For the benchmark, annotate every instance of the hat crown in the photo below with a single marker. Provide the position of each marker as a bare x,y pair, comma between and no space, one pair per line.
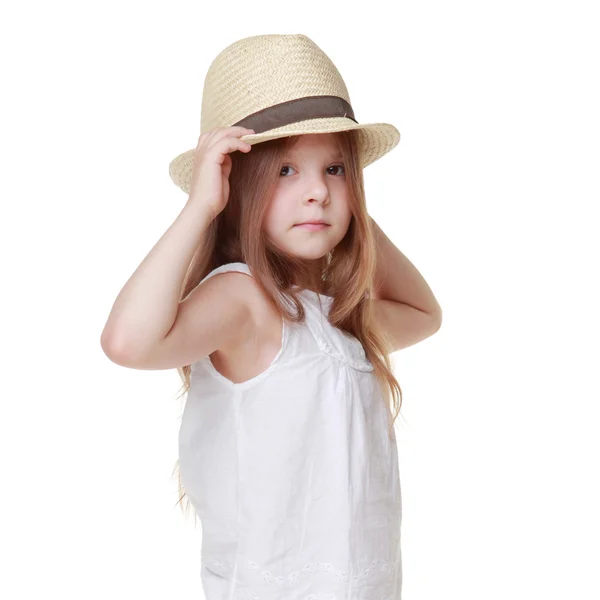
257,72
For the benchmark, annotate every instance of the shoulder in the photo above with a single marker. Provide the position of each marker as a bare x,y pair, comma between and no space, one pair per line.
258,339
247,292
230,289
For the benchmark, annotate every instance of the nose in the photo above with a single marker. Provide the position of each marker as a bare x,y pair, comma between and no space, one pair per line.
316,191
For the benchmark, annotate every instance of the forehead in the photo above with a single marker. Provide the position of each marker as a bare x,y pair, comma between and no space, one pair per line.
324,142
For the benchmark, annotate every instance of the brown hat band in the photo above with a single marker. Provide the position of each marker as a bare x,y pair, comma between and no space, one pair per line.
300,109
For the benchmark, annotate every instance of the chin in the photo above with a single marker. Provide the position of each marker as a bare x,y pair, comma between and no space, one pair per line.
316,255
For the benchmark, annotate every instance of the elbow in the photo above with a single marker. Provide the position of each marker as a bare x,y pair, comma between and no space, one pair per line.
437,318
115,349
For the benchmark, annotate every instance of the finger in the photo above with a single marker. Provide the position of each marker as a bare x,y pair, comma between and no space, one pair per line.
230,144
221,132
235,131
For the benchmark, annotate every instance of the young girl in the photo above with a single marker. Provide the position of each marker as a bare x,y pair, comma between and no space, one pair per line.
281,329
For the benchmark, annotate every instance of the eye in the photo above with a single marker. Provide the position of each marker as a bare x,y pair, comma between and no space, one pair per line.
285,167
332,167
338,166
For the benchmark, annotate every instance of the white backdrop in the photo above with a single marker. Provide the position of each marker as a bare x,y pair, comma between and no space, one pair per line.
491,194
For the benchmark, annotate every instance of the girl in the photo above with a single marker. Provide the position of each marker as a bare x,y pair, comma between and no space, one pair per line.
279,300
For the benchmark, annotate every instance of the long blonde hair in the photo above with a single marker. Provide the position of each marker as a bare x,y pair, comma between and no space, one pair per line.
237,235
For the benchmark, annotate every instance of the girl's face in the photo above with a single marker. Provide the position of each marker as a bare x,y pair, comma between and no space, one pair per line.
311,186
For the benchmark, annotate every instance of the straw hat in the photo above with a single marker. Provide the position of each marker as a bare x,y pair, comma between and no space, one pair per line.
280,85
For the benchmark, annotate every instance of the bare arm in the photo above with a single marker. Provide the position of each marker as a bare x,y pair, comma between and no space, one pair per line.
146,307
398,279
403,303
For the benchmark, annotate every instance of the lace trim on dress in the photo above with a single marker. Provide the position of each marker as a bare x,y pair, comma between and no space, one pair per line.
361,578
323,567
244,594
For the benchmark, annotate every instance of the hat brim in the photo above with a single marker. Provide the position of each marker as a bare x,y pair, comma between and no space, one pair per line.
376,140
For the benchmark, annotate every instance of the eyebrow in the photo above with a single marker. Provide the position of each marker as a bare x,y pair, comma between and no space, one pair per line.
336,156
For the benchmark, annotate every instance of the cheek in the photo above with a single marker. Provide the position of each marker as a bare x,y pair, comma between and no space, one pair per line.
346,224
271,213
274,222
278,215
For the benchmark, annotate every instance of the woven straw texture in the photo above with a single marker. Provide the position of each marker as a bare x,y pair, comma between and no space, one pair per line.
261,71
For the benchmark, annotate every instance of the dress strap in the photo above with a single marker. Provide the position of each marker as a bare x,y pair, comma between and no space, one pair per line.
234,266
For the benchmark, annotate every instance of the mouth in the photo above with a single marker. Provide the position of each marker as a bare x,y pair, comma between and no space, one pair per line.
312,223
312,226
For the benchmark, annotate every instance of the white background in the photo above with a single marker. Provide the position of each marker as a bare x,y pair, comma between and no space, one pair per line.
491,193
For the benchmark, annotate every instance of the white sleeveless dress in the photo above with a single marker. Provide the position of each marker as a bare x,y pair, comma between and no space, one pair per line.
292,473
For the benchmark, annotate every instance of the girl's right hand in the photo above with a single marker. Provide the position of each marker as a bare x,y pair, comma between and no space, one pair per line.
209,186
